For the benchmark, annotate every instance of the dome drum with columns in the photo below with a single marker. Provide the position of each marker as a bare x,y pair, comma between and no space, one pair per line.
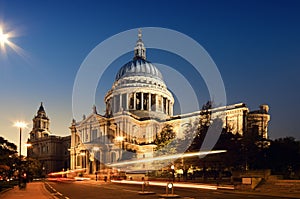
139,88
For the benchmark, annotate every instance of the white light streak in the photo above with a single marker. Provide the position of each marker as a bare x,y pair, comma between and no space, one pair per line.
167,157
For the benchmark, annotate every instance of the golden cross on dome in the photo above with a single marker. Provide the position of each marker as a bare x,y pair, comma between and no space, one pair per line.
140,33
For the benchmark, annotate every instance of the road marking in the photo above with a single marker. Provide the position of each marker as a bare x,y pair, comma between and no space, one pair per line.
129,190
110,188
56,192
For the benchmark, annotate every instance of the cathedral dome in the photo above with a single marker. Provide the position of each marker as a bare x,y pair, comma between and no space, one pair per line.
139,67
139,88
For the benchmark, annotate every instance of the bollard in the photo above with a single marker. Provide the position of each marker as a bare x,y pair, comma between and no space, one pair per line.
145,189
169,186
167,194
144,186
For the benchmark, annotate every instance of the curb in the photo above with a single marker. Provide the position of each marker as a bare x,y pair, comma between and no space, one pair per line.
260,194
48,191
52,193
5,190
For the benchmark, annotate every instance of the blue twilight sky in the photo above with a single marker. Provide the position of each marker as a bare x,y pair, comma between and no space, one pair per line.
255,45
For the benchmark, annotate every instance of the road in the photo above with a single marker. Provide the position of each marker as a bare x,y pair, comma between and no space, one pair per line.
92,190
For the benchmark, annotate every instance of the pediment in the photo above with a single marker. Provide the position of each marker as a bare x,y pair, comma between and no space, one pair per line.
93,118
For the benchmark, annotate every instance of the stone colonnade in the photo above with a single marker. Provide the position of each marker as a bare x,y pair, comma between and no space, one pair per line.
140,101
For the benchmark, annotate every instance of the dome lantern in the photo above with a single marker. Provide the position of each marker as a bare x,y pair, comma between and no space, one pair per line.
139,50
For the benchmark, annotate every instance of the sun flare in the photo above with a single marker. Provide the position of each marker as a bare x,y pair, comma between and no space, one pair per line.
5,41
3,38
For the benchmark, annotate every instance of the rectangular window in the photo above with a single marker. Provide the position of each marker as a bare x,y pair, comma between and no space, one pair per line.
146,101
94,134
153,102
131,101
165,105
124,101
138,101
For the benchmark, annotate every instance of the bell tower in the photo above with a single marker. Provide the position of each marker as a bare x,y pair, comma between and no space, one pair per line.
40,126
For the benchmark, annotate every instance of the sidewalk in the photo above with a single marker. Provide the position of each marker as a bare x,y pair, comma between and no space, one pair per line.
222,189
33,190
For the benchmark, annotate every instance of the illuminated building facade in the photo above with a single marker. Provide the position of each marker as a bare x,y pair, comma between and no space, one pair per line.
138,106
50,150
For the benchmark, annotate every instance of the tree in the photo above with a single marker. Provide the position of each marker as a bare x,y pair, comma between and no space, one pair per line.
165,141
33,168
8,157
197,132
283,156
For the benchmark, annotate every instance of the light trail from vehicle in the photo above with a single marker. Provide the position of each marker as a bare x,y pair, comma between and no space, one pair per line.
166,157
181,185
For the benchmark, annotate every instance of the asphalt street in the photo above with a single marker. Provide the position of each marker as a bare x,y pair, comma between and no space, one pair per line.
88,190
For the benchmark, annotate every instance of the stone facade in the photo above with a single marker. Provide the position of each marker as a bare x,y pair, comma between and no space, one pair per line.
50,150
138,106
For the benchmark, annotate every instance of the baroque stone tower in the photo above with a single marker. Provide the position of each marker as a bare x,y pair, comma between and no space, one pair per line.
50,150
40,124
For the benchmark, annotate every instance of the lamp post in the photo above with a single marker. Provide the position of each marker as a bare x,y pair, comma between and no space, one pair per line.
20,125
173,172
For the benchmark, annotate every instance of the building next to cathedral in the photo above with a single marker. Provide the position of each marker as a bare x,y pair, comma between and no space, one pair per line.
138,106
50,150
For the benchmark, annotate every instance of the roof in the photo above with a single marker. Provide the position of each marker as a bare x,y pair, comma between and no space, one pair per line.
139,67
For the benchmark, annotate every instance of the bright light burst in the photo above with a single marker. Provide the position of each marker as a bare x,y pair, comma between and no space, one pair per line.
20,124
5,41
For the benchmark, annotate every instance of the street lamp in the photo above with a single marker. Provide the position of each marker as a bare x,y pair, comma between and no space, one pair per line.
28,144
173,172
20,125
120,139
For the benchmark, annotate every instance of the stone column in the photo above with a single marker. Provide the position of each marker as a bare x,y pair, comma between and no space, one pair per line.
167,106
134,101
87,164
100,160
237,124
156,102
105,133
113,104
162,104
120,104
149,101
128,131
94,164
142,101
127,102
